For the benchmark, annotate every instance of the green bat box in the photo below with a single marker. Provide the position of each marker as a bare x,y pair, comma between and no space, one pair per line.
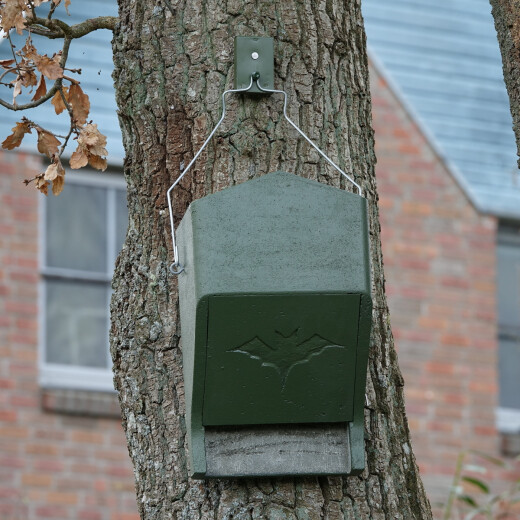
275,318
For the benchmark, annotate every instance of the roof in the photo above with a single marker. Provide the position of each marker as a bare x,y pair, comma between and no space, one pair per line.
444,61
93,54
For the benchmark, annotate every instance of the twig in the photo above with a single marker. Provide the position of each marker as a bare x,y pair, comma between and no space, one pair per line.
33,104
51,10
72,125
12,51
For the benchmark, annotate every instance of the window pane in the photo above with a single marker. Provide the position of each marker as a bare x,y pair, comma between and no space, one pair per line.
509,363
77,323
76,229
508,274
121,220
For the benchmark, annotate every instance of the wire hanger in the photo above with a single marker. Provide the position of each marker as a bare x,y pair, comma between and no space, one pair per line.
176,268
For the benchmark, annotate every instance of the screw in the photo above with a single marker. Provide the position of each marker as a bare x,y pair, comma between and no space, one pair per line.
254,55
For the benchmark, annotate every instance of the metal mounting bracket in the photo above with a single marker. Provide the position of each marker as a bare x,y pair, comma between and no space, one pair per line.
254,57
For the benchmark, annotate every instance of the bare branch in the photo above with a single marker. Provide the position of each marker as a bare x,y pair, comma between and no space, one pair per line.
54,88
72,123
59,29
7,72
51,10
33,104
12,50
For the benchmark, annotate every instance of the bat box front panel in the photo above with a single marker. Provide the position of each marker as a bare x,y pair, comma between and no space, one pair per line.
280,358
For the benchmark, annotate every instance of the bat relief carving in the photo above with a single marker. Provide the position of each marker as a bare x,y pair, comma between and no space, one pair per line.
287,352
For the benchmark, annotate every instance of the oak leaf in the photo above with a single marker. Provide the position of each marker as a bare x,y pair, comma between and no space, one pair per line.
17,88
80,104
57,100
12,15
93,140
41,184
55,173
57,184
6,64
91,146
28,77
41,89
49,67
47,142
15,139
97,162
79,158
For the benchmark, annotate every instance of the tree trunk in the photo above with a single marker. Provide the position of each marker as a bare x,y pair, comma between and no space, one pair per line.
507,23
173,60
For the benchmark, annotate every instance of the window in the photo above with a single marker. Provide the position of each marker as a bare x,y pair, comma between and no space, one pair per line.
508,283
82,232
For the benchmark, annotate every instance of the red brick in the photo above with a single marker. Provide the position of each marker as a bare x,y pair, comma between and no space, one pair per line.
51,465
54,512
89,514
8,416
87,437
36,479
56,497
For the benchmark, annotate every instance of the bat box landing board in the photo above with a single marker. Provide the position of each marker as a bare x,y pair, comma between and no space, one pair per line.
275,316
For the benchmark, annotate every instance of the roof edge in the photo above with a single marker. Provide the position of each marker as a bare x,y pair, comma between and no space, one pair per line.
451,168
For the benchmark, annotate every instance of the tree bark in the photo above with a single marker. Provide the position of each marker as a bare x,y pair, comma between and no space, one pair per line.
507,24
173,59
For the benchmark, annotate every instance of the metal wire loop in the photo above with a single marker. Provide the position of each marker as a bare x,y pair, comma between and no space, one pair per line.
176,268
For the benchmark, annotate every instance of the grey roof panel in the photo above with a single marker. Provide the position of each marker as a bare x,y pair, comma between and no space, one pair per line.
444,59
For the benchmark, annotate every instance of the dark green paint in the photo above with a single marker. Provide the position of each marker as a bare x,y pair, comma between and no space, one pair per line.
276,264
280,358
246,66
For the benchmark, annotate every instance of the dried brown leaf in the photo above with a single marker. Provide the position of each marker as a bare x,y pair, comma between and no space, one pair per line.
28,77
12,15
6,64
97,162
41,184
57,184
79,158
54,169
41,89
80,104
17,88
15,139
29,50
47,142
93,140
57,100
49,67
55,173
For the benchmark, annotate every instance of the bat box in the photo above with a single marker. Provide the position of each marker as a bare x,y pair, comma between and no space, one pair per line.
275,311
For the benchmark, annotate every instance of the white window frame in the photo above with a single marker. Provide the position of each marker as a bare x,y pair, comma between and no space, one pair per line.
53,375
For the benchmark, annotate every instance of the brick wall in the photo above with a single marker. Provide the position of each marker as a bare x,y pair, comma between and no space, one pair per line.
53,465
439,258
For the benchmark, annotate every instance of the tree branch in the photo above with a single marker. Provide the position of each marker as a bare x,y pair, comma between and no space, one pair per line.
33,104
59,29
